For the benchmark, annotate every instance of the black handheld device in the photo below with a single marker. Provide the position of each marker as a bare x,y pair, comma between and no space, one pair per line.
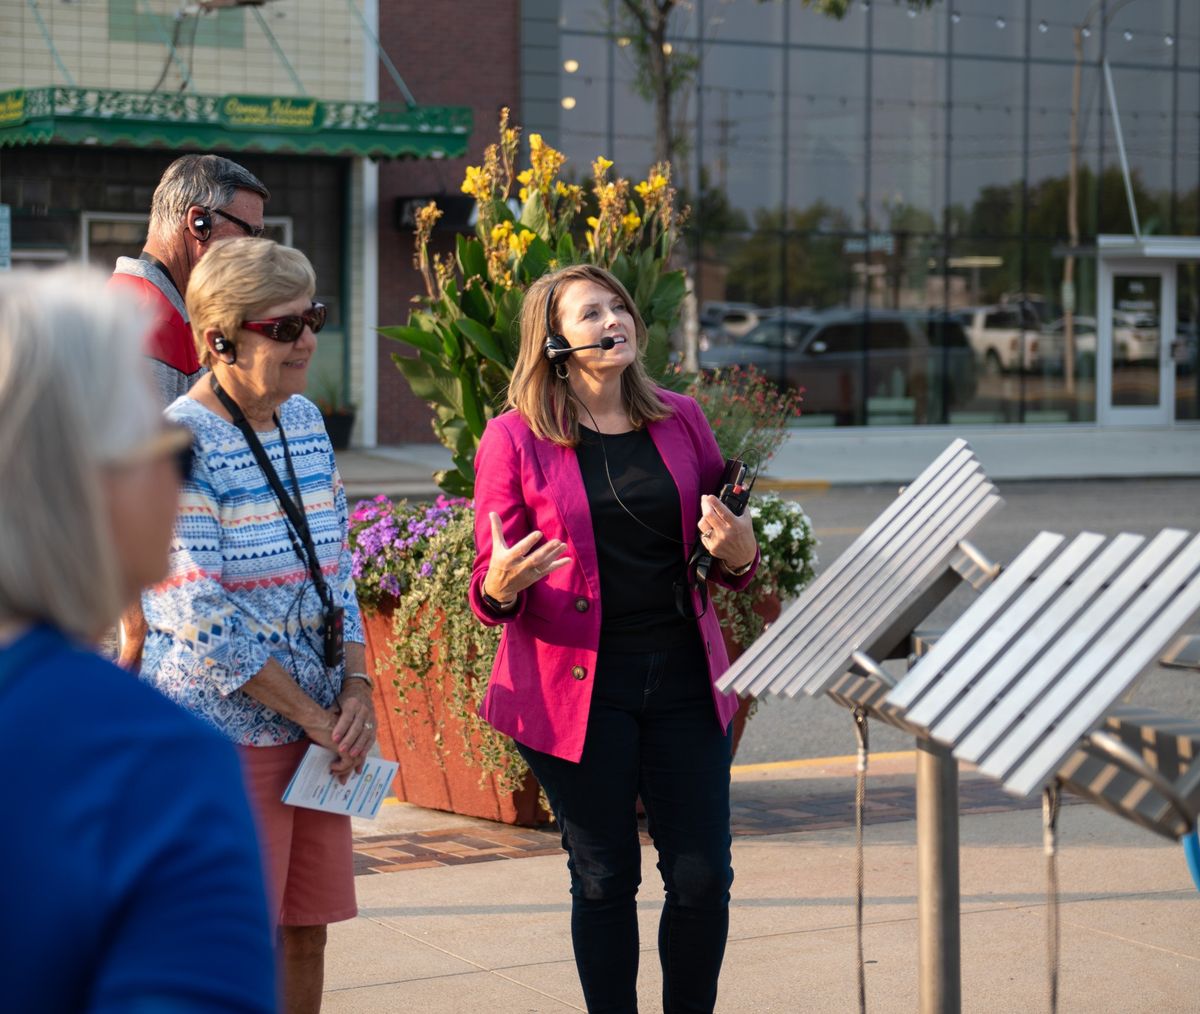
734,493
335,633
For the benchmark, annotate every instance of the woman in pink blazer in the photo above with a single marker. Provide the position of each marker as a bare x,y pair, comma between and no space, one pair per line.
590,495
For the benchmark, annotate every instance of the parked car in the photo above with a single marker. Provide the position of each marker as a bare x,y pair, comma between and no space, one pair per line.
910,359
722,323
999,333
1135,340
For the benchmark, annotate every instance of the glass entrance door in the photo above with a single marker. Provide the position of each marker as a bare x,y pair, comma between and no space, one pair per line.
1135,371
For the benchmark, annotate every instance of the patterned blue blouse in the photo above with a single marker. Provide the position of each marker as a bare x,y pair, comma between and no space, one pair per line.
237,593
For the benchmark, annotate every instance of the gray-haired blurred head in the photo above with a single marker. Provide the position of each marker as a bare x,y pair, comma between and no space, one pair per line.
209,181
74,397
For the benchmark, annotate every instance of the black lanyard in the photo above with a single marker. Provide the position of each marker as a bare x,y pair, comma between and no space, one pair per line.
293,508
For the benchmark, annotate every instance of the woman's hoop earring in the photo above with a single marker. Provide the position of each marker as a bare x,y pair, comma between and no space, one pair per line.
560,371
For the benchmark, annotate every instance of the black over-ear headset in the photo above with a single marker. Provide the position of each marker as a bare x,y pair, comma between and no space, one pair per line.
556,344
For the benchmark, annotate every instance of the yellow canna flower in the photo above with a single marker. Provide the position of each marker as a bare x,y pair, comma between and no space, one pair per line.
601,165
631,221
501,231
519,244
656,183
475,183
523,194
525,177
593,221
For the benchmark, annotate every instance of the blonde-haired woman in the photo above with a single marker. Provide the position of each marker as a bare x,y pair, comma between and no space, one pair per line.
248,629
589,497
133,884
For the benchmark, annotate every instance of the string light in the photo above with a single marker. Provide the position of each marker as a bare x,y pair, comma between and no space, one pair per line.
1169,40
1043,27
1000,22
955,17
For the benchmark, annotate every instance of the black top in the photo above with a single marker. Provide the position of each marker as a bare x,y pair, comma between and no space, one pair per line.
638,567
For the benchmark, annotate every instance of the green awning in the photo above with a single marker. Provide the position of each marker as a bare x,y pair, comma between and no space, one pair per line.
262,123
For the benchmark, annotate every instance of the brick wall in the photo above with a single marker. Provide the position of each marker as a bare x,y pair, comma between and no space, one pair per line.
460,53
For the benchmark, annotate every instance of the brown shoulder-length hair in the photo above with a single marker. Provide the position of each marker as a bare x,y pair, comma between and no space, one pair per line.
536,392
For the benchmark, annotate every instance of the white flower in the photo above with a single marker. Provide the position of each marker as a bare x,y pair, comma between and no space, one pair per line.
756,512
772,530
797,534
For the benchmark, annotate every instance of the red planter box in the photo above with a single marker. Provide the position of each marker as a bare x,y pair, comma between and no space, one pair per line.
434,775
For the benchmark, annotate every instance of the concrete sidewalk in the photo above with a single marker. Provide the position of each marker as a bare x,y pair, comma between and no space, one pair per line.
862,456
489,934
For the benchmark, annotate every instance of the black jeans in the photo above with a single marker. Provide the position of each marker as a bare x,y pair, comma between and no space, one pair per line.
652,731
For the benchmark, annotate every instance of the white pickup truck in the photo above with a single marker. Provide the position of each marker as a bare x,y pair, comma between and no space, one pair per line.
997,338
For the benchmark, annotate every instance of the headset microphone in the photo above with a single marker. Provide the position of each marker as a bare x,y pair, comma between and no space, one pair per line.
554,353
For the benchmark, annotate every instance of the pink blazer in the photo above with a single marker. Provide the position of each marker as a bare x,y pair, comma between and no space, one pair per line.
541,686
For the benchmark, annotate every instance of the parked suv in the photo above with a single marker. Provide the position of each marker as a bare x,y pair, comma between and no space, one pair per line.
918,365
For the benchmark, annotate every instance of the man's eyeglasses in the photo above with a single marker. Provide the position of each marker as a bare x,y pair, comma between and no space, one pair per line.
246,227
291,327
174,440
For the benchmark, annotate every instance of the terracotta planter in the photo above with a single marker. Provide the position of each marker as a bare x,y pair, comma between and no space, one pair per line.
433,774
769,608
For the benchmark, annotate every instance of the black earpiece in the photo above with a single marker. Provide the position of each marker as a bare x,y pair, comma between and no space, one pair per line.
226,349
202,226
556,344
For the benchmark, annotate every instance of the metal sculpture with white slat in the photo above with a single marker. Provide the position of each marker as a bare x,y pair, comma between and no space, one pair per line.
1024,684
1032,668
872,597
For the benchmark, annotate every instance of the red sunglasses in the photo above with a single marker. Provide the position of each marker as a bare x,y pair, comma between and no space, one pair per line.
291,327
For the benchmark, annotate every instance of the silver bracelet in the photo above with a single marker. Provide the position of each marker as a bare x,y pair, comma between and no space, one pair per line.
359,676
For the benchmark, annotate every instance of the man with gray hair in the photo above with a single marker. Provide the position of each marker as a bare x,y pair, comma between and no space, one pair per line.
200,199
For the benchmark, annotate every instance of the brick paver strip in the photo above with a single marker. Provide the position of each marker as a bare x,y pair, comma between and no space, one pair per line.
752,815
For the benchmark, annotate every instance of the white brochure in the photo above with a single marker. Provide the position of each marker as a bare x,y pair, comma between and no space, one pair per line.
314,787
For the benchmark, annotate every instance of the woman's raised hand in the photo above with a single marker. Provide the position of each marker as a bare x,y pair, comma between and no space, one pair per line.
514,568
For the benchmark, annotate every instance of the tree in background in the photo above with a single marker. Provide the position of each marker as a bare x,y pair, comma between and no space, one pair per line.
661,74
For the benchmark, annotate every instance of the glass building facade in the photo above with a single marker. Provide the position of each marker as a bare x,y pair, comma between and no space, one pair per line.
884,209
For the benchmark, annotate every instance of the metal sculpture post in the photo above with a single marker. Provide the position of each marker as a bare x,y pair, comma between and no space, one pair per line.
1024,684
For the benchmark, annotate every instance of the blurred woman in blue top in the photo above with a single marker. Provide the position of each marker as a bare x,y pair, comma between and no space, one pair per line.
131,882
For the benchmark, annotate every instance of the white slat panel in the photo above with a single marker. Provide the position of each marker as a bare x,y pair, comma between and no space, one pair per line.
995,640
928,567
858,607
1131,644
924,680
777,657
1054,640
1116,624
801,620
